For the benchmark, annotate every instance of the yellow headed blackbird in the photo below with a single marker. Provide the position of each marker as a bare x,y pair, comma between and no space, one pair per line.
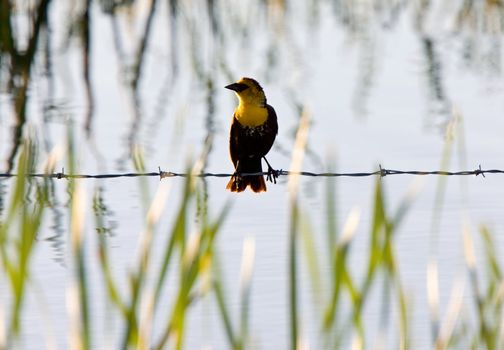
253,131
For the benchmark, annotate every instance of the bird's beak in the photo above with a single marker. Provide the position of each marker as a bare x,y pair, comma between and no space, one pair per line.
238,87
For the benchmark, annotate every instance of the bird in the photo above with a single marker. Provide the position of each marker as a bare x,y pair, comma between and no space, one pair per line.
253,130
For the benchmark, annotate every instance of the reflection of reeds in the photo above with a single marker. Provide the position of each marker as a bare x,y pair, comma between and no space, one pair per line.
20,64
215,25
190,253
85,25
439,101
486,16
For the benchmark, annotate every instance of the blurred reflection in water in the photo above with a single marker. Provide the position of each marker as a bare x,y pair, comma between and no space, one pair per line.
16,65
106,224
3,185
201,33
149,75
440,107
57,235
166,52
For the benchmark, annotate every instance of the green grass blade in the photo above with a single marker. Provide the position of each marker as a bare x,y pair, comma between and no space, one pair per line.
245,287
79,295
25,215
312,260
293,189
111,285
221,304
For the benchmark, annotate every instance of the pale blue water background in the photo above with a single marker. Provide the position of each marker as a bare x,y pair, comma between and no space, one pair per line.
371,102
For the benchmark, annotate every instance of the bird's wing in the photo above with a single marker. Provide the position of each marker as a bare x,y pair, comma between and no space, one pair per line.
233,141
272,119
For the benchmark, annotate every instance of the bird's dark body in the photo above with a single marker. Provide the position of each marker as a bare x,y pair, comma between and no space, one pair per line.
247,146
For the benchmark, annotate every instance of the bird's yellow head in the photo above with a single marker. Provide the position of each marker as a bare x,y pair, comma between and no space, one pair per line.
251,110
249,92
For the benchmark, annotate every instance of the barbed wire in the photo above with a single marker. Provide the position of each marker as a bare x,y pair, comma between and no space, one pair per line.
382,172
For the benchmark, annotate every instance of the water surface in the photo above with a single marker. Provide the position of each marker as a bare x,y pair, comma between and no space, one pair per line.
382,84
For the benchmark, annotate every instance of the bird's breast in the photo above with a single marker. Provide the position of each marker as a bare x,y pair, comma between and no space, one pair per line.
251,116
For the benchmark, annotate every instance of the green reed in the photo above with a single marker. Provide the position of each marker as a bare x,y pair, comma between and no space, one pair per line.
190,255
18,232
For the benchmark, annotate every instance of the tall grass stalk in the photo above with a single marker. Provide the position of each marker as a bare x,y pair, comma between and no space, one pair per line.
18,234
196,258
293,188
190,254
78,294
218,289
381,261
111,287
487,291
245,288
432,270
153,216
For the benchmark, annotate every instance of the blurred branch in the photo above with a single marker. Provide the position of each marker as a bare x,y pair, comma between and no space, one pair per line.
20,72
137,67
86,48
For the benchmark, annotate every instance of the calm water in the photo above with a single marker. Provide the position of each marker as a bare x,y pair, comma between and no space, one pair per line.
383,85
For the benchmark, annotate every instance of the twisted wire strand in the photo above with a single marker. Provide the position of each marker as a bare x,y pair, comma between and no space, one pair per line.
382,172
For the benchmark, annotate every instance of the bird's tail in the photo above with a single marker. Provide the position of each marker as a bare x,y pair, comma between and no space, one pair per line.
239,183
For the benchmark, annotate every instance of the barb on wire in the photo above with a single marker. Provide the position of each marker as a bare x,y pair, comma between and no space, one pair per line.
382,172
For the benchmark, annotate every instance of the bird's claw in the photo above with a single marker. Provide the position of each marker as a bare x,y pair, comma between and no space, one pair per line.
273,175
237,176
